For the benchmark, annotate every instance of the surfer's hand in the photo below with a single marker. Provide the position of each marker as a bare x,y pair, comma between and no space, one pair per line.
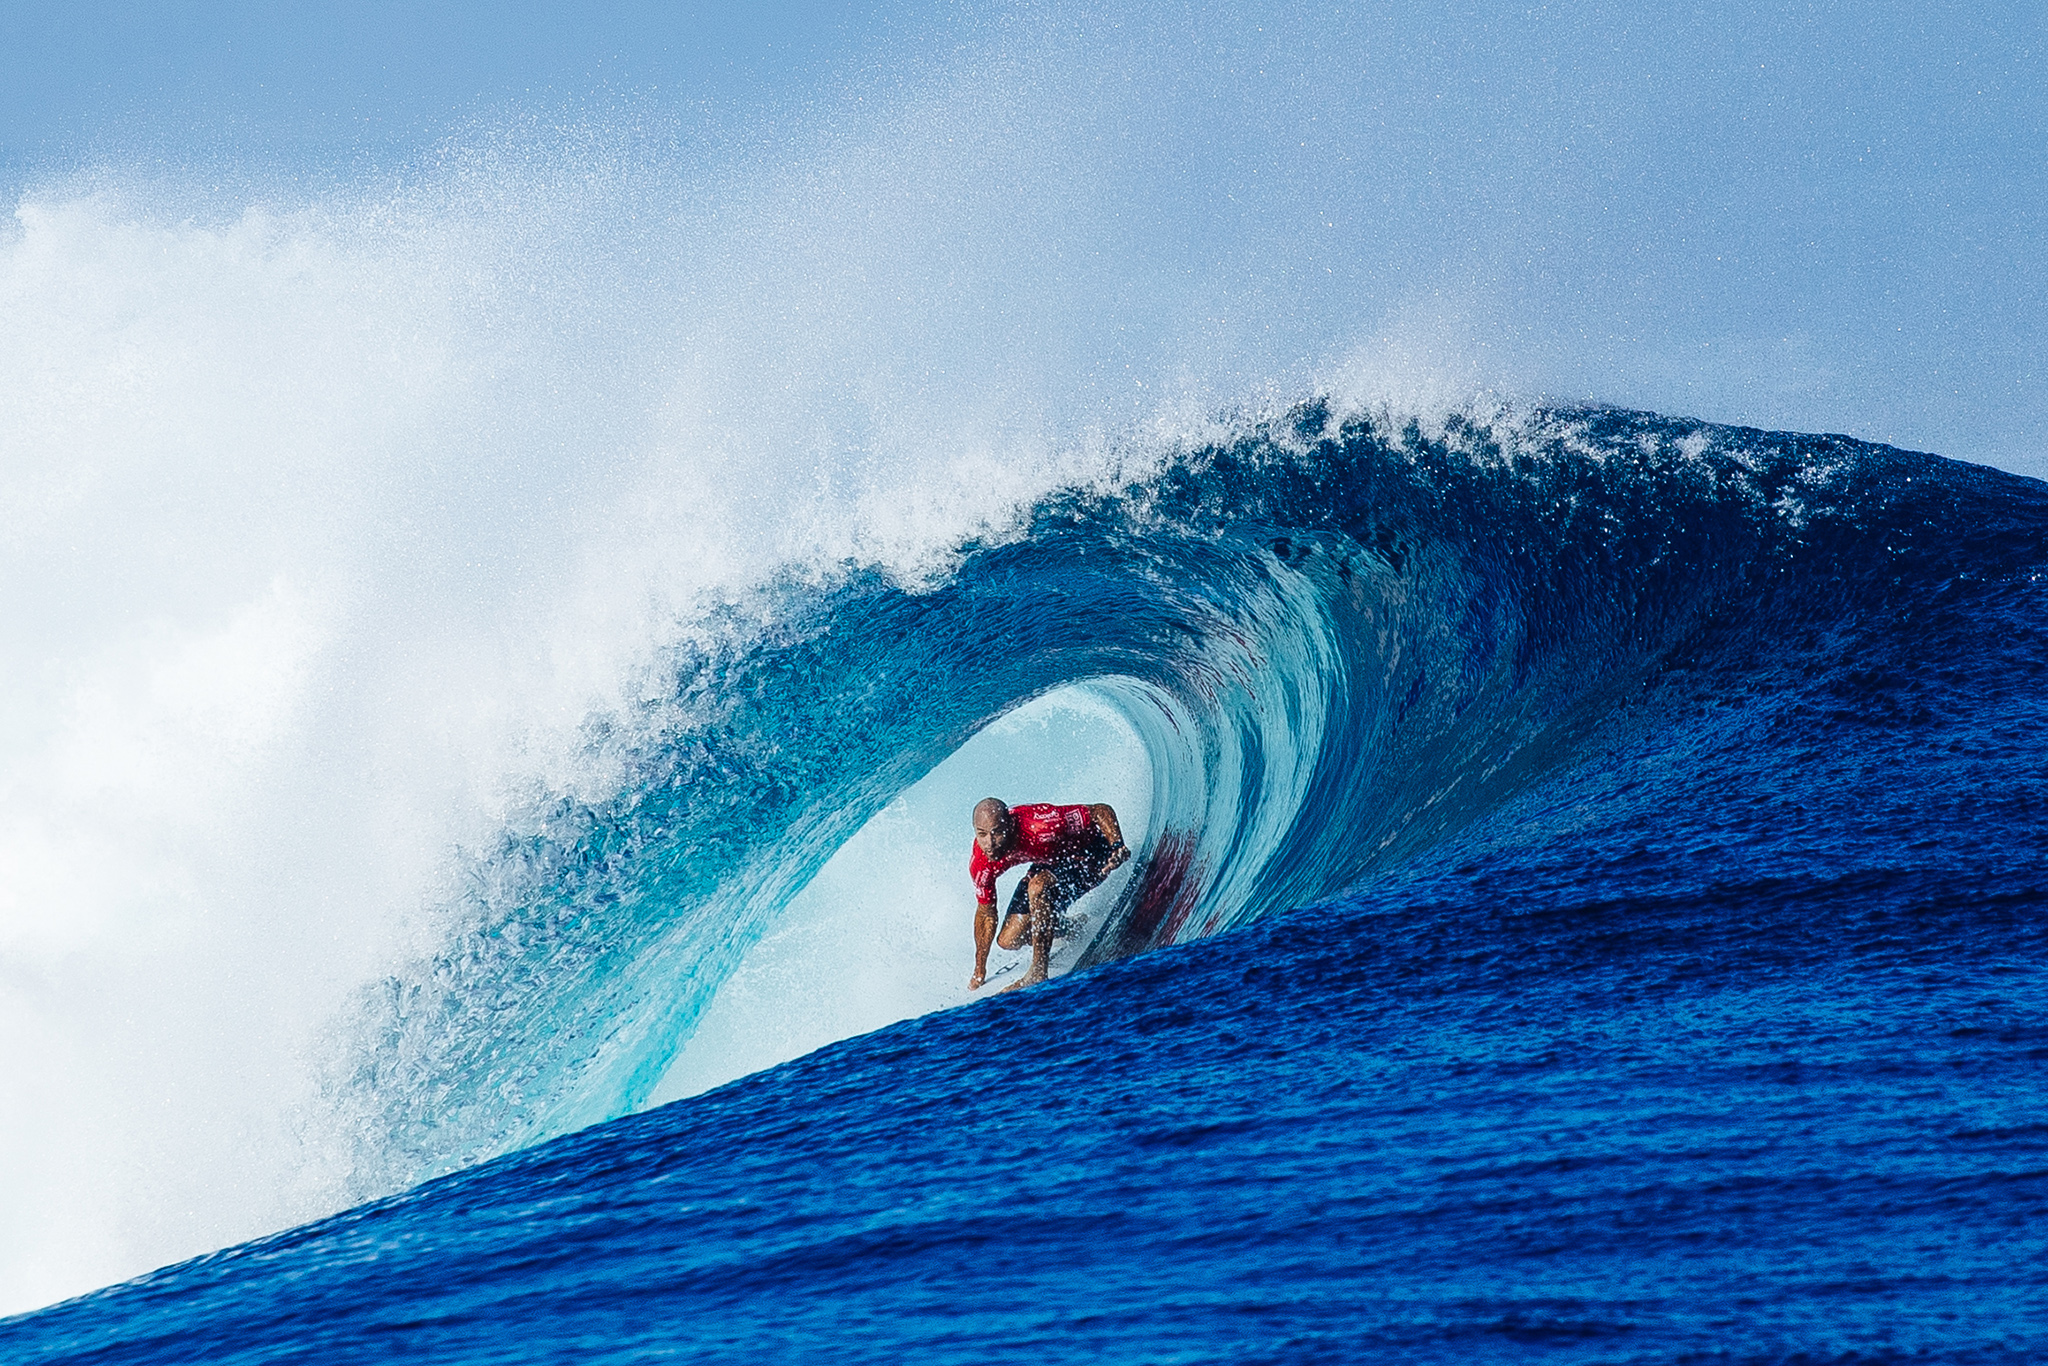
1117,858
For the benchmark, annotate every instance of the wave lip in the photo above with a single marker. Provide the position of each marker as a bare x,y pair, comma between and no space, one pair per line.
1699,1019
1342,636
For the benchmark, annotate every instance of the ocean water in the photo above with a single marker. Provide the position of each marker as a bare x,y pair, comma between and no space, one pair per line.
519,557
1590,908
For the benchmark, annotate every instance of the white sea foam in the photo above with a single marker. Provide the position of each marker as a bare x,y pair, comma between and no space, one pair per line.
330,514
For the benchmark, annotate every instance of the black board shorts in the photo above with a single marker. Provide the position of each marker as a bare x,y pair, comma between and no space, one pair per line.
1071,876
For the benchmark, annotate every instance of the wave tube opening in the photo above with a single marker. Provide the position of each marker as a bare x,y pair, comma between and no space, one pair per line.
882,933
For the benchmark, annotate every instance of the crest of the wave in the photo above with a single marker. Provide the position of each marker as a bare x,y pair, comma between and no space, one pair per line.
603,917
1328,639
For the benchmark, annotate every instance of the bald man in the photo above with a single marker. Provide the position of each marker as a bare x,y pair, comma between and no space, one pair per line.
1071,849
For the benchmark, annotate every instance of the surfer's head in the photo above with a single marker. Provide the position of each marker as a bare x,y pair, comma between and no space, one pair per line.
993,826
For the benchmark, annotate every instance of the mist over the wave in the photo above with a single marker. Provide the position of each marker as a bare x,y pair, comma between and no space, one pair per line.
337,506
333,516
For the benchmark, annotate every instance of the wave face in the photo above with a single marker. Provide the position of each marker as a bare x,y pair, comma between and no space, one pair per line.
1338,642
1599,859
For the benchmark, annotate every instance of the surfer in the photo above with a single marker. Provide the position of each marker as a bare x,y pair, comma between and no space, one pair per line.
1070,849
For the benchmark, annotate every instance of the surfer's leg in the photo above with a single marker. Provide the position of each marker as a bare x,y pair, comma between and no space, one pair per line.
1017,923
1047,902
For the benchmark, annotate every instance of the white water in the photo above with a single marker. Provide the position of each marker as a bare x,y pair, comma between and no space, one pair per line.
328,517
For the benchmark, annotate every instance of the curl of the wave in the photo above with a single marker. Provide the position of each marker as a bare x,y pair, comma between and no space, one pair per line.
1340,632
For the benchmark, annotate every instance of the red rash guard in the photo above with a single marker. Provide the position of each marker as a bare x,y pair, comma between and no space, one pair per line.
1045,833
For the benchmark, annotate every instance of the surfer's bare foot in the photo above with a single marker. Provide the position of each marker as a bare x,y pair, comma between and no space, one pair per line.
1029,979
974,982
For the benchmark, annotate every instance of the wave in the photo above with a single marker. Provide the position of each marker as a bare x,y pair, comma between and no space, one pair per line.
1340,634
1627,831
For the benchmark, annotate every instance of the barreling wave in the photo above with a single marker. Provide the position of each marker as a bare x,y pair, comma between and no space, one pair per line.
1341,636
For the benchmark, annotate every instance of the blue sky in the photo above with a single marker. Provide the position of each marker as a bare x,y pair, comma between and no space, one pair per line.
316,81
1817,215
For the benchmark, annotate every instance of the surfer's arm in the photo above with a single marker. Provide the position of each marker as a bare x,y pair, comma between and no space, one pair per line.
1105,821
984,935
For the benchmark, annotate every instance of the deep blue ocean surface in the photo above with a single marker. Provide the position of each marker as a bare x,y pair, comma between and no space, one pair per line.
1593,911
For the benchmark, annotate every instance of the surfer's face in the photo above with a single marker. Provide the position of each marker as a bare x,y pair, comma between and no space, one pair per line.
992,833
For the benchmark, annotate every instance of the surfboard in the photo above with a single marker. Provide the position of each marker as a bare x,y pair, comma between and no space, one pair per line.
1066,950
